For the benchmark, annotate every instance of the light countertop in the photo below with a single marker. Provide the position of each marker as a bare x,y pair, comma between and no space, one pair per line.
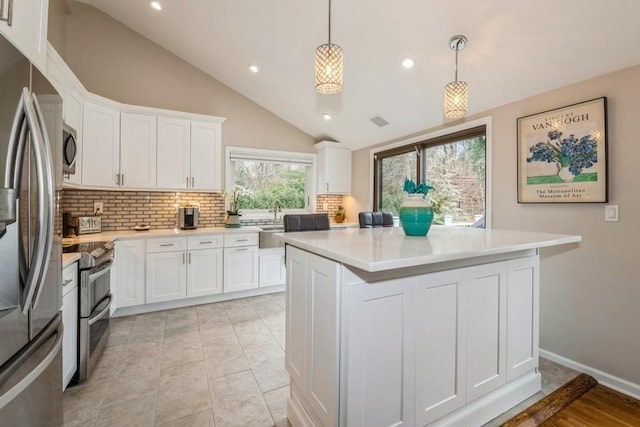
70,258
383,249
168,232
111,236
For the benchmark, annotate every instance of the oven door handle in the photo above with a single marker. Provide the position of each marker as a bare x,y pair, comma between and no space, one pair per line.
104,311
104,269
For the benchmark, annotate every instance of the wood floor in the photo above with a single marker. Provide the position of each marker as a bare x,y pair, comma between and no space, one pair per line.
581,402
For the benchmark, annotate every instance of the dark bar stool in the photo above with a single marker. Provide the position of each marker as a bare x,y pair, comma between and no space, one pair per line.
375,219
305,222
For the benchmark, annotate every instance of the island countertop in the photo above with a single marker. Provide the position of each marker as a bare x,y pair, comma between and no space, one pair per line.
381,249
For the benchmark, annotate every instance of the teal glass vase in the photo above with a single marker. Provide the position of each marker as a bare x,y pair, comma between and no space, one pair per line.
416,215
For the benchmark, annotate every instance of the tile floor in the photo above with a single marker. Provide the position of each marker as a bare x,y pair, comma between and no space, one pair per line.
216,365
219,364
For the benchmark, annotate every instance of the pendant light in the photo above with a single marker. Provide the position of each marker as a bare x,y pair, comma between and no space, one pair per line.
329,63
456,93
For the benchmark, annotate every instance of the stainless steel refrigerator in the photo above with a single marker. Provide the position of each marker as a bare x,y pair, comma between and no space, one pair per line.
30,245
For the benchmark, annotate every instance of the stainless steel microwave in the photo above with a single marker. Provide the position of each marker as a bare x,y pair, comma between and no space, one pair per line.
69,150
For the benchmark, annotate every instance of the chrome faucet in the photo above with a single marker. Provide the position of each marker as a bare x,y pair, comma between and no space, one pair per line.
277,207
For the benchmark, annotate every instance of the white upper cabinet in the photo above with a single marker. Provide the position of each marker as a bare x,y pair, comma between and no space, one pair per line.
334,168
174,151
101,146
133,147
189,154
137,150
206,156
28,29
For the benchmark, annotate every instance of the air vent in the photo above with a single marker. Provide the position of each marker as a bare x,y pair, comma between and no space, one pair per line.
379,121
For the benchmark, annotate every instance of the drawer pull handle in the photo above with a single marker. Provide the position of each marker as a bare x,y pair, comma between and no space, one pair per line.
164,245
9,18
206,243
241,249
242,240
66,282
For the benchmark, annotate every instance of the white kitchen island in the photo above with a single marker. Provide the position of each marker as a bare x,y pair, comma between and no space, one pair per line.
388,330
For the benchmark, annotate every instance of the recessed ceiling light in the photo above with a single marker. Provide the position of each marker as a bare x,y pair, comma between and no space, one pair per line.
408,63
326,116
156,4
253,68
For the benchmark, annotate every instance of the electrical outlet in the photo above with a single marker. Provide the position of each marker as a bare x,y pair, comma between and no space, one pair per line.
98,208
325,206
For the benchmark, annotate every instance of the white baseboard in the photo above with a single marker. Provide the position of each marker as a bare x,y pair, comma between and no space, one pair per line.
607,380
187,302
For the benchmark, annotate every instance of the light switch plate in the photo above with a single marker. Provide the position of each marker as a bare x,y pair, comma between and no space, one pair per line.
611,213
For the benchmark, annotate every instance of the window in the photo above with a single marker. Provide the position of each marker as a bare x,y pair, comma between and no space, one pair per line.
454,164
270,178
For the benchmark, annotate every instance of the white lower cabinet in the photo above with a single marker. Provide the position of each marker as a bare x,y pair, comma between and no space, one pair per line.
130,272
184,267
70,323
160,269
413,349
271,267
523,306
312,332
204,272
240,261
380,343
166,276
240,268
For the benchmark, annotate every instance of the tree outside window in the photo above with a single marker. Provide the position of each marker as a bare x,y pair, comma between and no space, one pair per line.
455,165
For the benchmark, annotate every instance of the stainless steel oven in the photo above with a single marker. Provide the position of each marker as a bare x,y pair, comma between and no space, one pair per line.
94,306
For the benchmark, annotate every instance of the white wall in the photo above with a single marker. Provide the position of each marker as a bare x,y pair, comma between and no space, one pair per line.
590,292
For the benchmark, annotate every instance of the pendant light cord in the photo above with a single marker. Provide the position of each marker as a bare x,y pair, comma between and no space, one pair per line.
457,49
329,21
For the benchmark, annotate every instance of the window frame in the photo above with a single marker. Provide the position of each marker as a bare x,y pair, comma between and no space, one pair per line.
260,154
418,143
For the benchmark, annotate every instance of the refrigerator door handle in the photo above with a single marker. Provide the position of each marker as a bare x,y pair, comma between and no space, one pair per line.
47,190
54,329
44,175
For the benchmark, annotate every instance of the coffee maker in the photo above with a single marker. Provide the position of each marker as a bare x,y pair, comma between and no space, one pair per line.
188,216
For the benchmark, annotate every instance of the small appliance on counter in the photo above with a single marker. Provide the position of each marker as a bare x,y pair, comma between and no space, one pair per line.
188,216
86,224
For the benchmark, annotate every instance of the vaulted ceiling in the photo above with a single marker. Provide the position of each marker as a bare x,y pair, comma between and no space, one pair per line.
516,49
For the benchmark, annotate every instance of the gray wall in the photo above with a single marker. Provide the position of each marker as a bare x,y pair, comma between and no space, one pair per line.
590,292
113,61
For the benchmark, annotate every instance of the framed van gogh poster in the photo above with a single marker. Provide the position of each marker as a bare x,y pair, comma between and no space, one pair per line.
562,154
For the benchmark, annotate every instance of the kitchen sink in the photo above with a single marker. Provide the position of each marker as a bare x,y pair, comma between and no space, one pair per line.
267,236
